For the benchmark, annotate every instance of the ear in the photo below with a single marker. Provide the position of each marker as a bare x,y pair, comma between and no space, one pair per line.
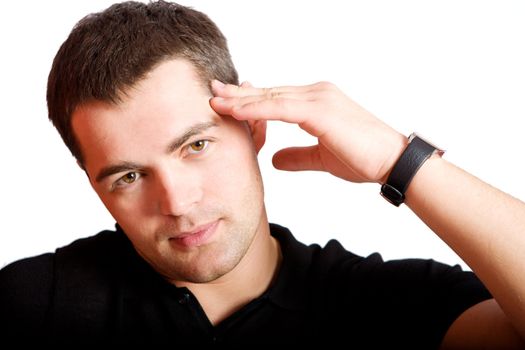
258,131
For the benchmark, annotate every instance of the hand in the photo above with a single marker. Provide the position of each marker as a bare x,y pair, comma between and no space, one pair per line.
352,143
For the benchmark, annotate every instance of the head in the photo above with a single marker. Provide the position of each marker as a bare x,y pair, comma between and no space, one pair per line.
129,93
108,52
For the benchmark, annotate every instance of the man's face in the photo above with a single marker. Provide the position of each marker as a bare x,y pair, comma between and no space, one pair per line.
182,181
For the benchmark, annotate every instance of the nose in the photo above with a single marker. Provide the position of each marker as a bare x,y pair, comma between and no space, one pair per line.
178,192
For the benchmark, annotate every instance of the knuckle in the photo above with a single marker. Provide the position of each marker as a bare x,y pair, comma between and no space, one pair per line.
271,93
328,91
326,85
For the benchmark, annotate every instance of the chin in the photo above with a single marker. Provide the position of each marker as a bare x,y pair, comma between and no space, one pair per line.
210,268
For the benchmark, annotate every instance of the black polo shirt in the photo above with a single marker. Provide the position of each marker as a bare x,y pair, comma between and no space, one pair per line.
98,290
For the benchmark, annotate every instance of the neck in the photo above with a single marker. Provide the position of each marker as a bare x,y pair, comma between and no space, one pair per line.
247,281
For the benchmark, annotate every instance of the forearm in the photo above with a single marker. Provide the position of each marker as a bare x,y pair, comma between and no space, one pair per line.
485,226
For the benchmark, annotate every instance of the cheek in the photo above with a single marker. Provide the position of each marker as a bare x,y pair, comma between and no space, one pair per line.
128,210
237,173
135,220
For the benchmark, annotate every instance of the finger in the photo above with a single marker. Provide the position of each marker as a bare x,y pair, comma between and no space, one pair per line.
227,103
298,158
218,88
286,110
230,90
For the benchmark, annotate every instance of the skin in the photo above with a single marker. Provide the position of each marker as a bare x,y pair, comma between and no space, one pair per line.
161,185
174,192
479,222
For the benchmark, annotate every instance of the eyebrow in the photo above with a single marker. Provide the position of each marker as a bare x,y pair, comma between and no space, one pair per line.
193,130
115,169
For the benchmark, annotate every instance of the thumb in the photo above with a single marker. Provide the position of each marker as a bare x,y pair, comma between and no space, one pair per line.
298,158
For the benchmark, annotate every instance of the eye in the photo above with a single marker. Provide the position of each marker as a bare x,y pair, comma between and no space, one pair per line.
127,179
197,146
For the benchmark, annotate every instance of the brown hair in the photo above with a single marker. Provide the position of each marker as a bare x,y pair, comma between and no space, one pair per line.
108,52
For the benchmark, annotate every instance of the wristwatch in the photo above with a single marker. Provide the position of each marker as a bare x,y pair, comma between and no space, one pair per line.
414,155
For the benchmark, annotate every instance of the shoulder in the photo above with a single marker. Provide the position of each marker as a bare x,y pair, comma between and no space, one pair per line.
421,295
99,247
330,259
25,294
29,284
38,270
25,274
410,279
333,259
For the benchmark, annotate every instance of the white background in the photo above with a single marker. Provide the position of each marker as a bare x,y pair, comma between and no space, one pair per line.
451,70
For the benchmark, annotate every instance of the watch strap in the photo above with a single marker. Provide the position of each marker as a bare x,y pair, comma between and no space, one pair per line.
414,155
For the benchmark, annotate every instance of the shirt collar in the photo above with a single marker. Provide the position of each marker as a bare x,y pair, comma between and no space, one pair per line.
288,290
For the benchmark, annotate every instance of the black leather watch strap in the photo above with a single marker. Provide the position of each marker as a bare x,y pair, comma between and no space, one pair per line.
416,153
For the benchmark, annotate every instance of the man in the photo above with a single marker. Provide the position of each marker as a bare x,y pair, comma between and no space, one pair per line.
147,100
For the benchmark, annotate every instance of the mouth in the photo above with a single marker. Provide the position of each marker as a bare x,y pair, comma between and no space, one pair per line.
196,237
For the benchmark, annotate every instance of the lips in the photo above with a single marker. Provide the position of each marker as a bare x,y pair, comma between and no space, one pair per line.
197,236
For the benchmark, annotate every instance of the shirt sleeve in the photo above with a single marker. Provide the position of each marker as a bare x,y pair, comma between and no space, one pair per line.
409,302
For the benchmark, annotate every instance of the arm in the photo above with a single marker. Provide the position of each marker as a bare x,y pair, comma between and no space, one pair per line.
483,225
486,227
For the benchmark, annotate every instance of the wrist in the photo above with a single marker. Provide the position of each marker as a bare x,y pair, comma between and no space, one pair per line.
430,168
415,154
397,149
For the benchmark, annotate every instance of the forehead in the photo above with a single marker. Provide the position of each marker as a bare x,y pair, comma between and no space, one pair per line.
174,82
169,99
